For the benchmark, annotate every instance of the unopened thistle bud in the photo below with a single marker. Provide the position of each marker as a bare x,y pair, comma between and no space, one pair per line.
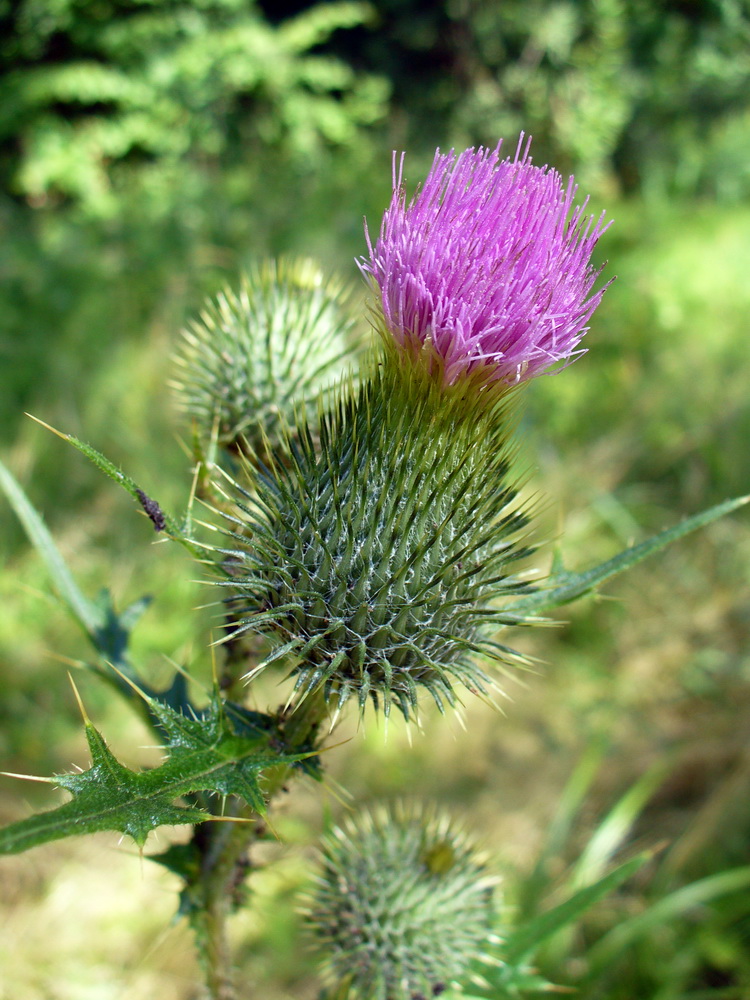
257,353
376,558
486,271
402,908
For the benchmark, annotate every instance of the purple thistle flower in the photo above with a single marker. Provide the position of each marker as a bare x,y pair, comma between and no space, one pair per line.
487,270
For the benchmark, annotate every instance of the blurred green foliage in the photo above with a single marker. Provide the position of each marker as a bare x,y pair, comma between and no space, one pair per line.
149,150
144,146
654,97
98,94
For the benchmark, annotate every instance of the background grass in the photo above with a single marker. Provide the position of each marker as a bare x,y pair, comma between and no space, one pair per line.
650,426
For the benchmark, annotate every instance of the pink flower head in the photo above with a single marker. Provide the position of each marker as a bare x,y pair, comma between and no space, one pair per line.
487,268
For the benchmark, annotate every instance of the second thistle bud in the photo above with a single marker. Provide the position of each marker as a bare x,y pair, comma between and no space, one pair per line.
403,906
259,352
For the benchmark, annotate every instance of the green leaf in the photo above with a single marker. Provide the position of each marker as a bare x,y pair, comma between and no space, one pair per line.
558,832
204,754
616,825
514,981
107,631
89,615
522,942
665,910
109,796
606,839
565,587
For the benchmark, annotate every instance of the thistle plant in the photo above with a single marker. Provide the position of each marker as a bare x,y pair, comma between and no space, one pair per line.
379,562
368,534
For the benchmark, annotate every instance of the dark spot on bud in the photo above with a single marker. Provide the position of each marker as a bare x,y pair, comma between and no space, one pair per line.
153,510
439,858
437,989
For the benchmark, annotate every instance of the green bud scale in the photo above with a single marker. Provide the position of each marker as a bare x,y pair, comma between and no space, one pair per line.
402,908
257,353
374,557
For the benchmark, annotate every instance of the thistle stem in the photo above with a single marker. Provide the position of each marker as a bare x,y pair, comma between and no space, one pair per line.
223,849
223,867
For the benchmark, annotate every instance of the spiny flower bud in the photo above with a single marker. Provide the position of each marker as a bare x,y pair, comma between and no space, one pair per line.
486,271
374,558
258,352
403,906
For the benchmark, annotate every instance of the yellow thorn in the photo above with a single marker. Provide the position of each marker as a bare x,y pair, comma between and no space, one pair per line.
248,677
268,823
227,819
49,427
214,669
217,642
35,592
184,672
28,777
334,719
342,795
213,441
86,719
128,681
194,486
78,664
178,437
321,750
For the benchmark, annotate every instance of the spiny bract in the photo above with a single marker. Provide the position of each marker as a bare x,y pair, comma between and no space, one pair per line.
402,907
257,353
374,557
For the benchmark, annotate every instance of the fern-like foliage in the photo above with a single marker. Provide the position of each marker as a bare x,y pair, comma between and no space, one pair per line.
155,88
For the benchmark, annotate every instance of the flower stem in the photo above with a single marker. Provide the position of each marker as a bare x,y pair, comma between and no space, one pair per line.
223,851
223,868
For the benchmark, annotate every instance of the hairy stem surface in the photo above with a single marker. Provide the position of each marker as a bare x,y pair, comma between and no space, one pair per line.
224,863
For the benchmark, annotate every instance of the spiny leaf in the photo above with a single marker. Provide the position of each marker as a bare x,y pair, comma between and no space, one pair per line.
107,630
203,755
109,796
565,587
